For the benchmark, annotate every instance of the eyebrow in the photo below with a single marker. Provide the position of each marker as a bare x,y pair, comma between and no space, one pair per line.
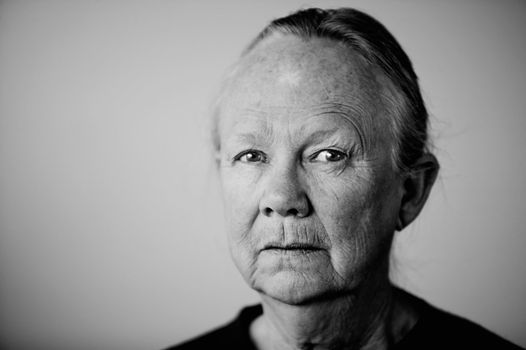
356,116
352,115
248,137
252,137
321,135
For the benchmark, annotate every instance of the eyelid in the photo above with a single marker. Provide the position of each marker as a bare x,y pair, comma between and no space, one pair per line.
238,156
346,155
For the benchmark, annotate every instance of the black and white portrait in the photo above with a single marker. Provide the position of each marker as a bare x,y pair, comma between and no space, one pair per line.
262,175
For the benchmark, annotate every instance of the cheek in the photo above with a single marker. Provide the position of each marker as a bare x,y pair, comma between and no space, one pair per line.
241,206
240,211
344,212
340,202
358,215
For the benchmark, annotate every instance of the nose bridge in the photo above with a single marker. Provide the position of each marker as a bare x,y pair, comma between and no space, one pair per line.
284,193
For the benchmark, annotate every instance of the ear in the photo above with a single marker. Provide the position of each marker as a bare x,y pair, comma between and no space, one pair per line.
416,188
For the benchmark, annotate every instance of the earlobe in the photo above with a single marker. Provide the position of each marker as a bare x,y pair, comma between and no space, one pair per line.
417,186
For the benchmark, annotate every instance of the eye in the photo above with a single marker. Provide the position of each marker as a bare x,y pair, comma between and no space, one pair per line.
251,156
329,155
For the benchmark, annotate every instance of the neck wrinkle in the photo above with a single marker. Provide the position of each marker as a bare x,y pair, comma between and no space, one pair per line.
358,321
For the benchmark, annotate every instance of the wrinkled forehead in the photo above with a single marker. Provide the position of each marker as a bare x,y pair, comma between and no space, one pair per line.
321,68
292,74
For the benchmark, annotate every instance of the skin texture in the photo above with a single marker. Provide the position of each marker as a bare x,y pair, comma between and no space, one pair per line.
311,196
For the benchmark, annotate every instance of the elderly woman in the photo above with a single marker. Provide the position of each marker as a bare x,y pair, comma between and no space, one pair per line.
321,141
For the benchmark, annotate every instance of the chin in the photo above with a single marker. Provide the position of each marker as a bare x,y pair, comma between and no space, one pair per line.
294,288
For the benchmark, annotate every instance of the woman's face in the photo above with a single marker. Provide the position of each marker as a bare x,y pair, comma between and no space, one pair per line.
310,193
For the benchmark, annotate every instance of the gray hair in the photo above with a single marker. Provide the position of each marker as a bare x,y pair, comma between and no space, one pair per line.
370,39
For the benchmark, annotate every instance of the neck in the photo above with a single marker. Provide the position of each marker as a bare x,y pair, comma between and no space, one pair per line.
362,320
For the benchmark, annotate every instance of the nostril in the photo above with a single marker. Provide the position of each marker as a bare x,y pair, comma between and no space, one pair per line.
293,212
285,203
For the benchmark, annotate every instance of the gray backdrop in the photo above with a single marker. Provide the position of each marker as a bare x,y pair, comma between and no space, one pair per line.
111,231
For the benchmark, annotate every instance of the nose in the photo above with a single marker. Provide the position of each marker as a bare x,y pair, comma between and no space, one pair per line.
284,195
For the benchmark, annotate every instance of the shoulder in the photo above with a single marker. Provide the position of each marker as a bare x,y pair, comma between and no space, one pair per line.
439,329
234,335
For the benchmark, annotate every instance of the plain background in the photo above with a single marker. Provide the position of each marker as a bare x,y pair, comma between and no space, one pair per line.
111,227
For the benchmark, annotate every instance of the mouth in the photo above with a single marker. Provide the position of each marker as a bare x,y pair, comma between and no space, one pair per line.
292,247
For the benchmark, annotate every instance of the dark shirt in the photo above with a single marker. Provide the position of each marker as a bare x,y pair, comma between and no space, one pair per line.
435,329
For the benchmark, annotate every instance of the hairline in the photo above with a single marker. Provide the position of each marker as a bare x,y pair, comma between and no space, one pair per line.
394,102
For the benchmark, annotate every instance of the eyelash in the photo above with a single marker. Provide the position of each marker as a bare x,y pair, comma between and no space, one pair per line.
343,155
262,157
